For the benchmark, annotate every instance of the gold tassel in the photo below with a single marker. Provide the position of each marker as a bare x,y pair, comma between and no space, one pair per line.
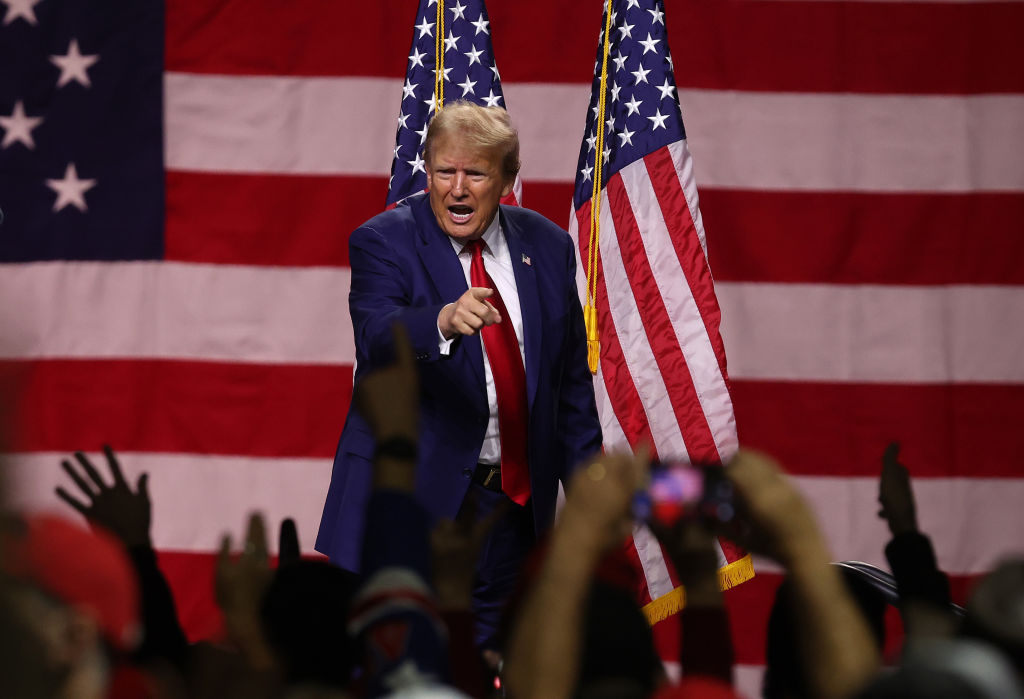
729,575
593,343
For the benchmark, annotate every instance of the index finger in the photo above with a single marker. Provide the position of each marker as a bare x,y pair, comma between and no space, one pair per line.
892,454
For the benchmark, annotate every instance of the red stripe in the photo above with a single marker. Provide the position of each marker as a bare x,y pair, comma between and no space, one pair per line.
686,243
693,424
959,430
177,406
618,383
963,430
813,237
871,47
864,238
267,219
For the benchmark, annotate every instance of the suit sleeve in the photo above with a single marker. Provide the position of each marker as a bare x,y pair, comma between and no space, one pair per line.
380,297
578,423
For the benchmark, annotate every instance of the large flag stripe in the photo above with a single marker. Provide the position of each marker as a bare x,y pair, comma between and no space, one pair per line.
267,219
661,336
792,332
964,430
176,311
819,142
893,334
837,237
864,238
957,512
799,46
177,406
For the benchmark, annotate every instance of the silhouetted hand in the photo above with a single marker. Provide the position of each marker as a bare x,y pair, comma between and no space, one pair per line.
455,546
691,546
116,508
895,494
598,499
389,397
240,586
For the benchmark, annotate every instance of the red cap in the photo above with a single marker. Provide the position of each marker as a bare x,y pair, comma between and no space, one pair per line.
87,570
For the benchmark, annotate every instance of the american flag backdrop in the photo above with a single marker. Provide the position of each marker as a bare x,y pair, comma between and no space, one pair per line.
181,291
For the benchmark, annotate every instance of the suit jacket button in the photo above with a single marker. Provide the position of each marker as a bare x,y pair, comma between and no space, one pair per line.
467,472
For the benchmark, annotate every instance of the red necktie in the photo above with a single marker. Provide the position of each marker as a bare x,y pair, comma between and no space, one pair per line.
509,384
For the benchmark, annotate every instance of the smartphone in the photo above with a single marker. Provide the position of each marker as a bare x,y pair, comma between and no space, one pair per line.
681,490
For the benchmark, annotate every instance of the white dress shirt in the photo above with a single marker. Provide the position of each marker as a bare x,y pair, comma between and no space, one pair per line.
498,263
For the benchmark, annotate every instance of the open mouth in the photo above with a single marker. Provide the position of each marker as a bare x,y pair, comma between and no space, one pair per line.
460,213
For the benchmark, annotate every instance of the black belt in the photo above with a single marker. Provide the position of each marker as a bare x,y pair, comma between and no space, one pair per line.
488,476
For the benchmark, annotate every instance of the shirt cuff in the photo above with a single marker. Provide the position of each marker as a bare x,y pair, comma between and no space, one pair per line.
444,346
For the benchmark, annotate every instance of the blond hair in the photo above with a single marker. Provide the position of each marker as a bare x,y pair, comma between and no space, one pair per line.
486,128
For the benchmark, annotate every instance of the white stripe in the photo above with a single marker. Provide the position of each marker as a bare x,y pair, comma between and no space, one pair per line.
747,679
177,311
636,351
831,332
810,332
652,562
688,182
196,498
973,522
740,139
690,331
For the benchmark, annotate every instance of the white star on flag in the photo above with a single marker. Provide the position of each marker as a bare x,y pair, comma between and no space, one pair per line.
417,164
70,190
426,28
481,25
409,89
492,99
74,66
467,86
18,127
640,74
452,42
458,12
586,172
626,30
633,105
416,58
657,16
666,89
626,136
21,8
649,44
474,55
658,120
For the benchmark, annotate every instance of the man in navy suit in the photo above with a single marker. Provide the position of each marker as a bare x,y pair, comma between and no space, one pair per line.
488,295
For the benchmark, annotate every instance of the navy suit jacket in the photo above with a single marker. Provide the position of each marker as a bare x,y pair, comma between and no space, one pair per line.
404,269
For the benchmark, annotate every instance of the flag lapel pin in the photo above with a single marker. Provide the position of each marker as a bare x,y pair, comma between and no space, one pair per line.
526,260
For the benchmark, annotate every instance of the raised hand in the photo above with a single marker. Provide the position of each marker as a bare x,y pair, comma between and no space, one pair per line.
115,507
894,493
240,584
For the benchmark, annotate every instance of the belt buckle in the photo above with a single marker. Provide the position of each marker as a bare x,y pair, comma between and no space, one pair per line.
495,470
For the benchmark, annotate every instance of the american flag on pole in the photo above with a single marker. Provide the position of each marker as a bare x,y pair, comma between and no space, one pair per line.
456,35
660,360
861,183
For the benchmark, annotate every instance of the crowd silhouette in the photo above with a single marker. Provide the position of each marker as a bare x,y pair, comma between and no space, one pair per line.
88,613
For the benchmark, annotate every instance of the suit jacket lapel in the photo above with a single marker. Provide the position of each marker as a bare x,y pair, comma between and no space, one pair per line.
445,270
529,300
